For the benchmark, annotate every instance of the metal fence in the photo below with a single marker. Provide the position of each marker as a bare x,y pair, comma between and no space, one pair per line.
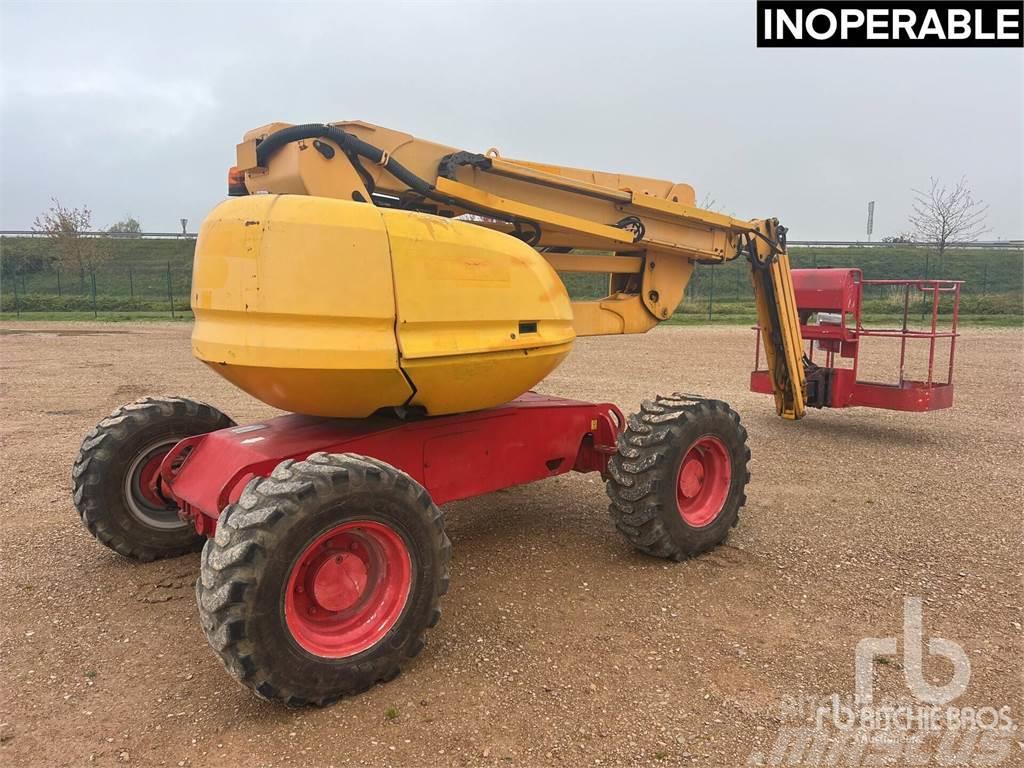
141,289
136,282
991,285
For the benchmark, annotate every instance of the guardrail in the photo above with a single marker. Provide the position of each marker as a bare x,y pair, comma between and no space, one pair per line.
115,235
1011,244
983,244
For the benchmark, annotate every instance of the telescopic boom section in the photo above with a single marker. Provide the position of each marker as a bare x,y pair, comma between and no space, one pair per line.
646,234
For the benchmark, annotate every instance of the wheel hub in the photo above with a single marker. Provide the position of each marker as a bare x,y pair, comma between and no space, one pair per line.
141,496
348,588
691,477
339,582
147,480
702,486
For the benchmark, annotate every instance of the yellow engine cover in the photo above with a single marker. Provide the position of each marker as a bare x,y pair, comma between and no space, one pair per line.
336,308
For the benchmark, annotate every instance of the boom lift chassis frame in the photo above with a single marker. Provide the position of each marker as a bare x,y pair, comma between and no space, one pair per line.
324,552
452,457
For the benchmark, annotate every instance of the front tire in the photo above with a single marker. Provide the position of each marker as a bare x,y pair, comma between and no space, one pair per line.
678,480
323,579
114,472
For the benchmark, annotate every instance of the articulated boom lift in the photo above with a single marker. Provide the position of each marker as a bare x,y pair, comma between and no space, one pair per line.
400,298
650,230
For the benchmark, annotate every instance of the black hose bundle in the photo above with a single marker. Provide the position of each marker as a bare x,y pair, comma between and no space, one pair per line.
349,144
355,147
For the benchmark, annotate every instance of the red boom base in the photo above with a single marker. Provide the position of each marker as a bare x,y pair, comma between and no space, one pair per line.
453,457
846,391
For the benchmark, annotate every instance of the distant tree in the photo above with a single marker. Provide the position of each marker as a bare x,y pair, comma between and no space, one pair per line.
16,260
902,237
708,203
128,226
73,249
945,215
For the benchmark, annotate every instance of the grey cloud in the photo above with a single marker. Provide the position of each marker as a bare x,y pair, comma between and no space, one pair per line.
137,108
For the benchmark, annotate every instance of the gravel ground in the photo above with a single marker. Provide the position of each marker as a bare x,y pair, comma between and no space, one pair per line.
558,645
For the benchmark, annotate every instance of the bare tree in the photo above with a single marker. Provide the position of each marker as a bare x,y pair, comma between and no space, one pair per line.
73,249
708,202
946,215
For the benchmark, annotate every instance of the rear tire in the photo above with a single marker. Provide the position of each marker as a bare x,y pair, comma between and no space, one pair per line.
118,459
323,579
678,480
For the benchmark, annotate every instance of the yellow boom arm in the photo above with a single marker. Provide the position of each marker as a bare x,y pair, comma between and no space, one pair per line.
646,234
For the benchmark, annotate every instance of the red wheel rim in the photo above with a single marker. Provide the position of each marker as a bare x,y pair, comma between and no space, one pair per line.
702,484
348,588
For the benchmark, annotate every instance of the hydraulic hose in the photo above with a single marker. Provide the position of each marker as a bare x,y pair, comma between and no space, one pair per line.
348,143
353,145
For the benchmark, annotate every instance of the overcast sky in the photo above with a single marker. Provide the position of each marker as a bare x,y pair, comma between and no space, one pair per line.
135,109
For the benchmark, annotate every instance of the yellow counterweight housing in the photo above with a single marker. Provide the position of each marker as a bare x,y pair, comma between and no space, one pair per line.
335,308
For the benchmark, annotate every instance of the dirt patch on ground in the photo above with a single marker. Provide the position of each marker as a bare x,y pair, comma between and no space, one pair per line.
558,645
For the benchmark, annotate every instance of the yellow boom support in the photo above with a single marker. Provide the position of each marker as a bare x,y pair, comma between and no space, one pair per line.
468,308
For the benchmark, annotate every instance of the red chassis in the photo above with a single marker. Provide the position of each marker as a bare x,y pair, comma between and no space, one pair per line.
324,552
453,457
